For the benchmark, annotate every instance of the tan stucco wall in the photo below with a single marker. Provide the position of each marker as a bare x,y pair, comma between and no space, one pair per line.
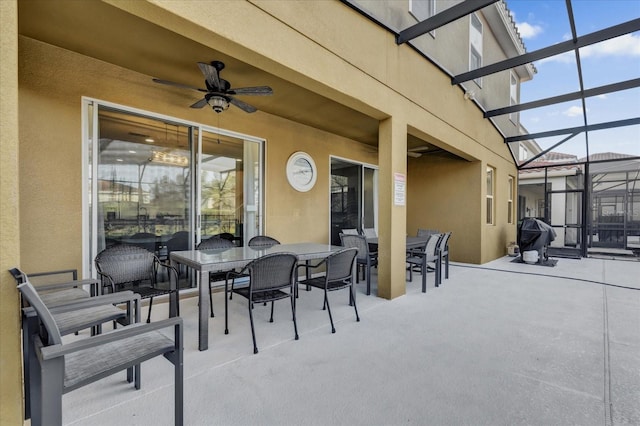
449,202
10,359
51,146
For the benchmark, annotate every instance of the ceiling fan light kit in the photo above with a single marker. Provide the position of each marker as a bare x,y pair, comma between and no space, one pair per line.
218,103
219,94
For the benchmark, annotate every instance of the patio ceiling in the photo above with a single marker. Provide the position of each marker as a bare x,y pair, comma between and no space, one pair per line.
104,32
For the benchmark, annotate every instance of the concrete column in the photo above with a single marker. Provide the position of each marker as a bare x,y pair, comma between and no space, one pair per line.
11,397
392,217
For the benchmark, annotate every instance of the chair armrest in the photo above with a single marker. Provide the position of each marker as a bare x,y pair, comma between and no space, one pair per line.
170,267
55,351
312,266
73,272
57,286
107,299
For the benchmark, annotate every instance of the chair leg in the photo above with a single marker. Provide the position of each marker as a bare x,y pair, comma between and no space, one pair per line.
368,279
326,301
179,382
50,388
293,312
253,332
446,266
272,303
226,306
210,299
149,314
353,297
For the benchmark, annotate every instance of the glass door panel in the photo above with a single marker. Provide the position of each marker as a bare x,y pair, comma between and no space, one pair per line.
354,197
143,183
230,182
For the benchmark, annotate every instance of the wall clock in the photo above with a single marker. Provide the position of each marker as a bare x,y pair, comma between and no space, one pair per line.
301,171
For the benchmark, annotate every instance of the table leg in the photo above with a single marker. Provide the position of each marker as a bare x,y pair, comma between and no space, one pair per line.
173,297
203,311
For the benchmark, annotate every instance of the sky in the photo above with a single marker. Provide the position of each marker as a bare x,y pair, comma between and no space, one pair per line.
542,23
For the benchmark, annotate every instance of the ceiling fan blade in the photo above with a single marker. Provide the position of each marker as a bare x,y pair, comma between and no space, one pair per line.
256,91
184,86
201,103
210,74
242,105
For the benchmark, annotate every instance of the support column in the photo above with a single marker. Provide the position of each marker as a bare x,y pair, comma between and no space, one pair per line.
392,216
11,397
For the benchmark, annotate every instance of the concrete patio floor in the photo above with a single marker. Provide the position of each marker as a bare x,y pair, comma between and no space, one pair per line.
498,344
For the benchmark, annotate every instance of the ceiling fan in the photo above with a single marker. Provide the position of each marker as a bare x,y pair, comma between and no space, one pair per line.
219,93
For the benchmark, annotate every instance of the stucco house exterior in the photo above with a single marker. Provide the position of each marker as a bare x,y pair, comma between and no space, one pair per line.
78,91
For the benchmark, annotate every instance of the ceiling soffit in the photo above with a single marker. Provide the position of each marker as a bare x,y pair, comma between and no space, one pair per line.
152,51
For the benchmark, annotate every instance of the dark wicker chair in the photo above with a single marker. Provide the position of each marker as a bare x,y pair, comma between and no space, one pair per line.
215,243
443,256
145,240
262,241
58,368
366,259
338,275
421,260
271,278
126,267
71,316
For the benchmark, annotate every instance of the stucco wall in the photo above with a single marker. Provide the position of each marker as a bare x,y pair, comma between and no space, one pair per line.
449,202
10,359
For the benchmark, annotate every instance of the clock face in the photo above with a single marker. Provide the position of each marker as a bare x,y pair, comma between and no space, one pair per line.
301,171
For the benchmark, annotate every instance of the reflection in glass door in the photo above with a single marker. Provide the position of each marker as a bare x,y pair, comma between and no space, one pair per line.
143,182
163,185
353,197
230,199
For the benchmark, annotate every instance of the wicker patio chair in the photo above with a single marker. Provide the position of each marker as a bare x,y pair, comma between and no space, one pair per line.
350,231
423,259
72,316
366,259
262,241
426,232
59,367
271,278
126,267
214,243
145,240
369,233
443,256
338,275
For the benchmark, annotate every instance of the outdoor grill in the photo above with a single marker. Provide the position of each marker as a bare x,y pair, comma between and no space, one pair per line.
534,236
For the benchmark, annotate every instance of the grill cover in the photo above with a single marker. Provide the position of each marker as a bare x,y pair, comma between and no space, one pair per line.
534,234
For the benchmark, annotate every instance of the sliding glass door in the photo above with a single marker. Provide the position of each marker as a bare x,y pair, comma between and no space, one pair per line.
354,199
164,185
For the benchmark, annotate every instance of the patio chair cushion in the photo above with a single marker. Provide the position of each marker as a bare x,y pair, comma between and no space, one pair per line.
72,321
88,363
56,297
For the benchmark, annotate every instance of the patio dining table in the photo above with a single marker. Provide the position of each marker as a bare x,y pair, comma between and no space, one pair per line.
205,261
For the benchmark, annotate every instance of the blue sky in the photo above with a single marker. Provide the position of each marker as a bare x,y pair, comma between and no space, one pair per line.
542,23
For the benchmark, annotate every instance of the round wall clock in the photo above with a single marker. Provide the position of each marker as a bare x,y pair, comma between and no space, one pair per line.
301,171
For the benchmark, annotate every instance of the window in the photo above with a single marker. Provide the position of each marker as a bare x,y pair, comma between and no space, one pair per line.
512,190
523,152
490,192
475,46
513,97
422,9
